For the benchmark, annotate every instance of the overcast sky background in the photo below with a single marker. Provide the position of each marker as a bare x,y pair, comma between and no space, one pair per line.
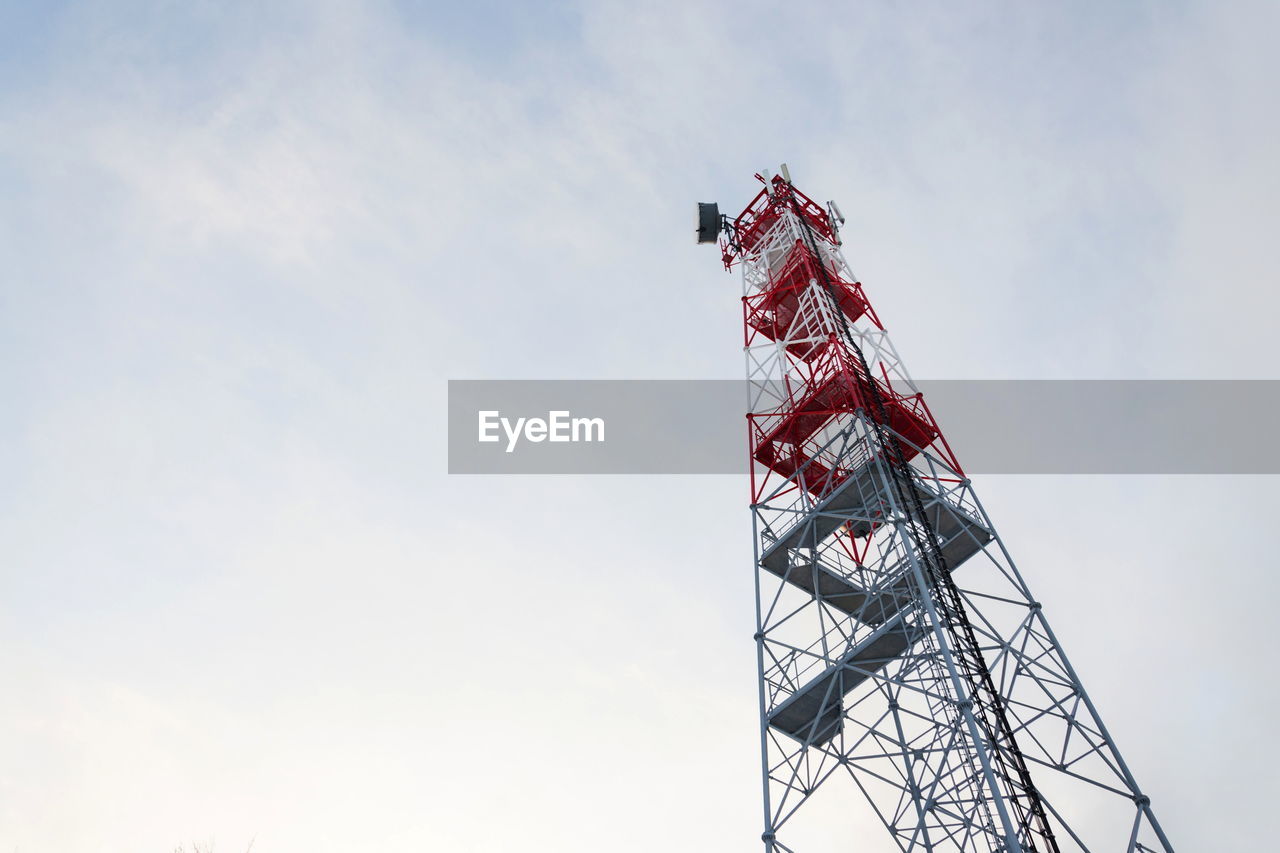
243,246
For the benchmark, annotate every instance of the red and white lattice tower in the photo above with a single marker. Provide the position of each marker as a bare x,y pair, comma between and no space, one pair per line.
908,677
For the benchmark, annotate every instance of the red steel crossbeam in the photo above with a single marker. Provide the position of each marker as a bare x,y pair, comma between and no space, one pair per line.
772,312
781,441
763,211
784,441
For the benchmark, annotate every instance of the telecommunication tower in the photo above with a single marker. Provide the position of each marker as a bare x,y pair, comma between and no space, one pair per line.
904,664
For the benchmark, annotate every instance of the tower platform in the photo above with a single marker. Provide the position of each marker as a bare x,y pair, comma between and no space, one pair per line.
813,714
860,500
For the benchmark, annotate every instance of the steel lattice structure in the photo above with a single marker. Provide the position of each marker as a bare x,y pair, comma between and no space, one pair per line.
901,655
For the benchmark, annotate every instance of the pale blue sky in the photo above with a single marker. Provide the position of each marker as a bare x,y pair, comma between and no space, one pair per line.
245,246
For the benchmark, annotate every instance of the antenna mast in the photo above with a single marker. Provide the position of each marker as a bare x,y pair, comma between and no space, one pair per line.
903,661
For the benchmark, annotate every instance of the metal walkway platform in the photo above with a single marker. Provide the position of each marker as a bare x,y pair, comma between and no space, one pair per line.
814,714
962,536
853,502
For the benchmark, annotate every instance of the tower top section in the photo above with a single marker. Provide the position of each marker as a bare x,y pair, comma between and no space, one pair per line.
742,236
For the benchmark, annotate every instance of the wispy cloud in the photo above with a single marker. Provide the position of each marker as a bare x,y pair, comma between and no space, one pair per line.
245,246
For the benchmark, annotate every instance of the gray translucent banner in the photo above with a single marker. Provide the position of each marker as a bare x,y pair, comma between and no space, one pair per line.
995,426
